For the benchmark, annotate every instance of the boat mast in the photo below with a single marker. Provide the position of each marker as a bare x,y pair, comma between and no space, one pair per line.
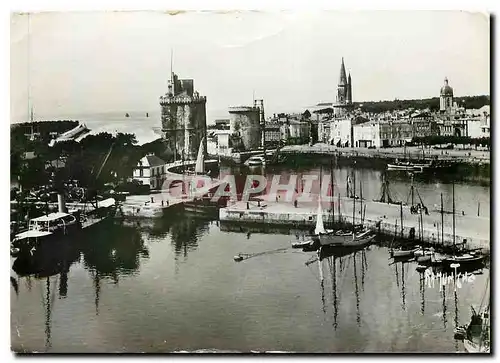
442,220
412,192
332,193
401,208
354,201
340,216
453,192
361,200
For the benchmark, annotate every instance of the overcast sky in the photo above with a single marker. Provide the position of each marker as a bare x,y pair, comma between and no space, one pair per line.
82,63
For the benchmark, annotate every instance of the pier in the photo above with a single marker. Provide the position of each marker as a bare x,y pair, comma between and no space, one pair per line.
156,203
380,216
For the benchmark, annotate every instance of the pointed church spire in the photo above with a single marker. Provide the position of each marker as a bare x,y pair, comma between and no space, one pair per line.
342,78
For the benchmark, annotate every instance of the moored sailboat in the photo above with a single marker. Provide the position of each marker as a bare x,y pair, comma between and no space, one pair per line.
356,237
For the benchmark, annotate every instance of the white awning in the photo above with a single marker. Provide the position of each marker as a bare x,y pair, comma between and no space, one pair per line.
32,234
50,217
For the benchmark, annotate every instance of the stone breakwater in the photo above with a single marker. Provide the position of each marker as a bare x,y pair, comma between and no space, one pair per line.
380,216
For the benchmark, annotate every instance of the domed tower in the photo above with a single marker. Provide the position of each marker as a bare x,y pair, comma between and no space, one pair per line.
446,97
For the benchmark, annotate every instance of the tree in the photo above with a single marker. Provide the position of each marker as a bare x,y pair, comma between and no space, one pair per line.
306,115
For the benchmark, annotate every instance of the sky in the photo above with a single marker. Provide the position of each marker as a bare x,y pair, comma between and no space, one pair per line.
93,62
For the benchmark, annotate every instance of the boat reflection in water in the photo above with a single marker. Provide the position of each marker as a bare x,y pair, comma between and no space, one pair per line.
339,260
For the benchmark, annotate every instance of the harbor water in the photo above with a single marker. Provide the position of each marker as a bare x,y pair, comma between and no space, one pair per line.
171,284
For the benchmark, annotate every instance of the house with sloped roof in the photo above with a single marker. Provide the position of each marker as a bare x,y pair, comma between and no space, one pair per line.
150,170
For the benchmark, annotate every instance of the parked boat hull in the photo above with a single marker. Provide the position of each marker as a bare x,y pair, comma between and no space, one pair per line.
403,253
463,263
346,239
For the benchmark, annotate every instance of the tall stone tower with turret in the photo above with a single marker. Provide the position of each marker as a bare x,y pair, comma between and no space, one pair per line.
183,118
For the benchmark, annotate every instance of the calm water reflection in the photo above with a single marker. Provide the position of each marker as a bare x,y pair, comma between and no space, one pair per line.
172,284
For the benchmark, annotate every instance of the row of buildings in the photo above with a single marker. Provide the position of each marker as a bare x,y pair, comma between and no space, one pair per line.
247,129
351,128
184,124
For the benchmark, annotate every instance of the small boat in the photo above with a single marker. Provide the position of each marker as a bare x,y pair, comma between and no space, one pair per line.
465,261
147,114
256,161
127,115
404,253
347,239
401,166
421,166
44,231
424,259
302,244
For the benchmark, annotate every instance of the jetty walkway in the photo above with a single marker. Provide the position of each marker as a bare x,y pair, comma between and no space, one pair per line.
475,230
158,201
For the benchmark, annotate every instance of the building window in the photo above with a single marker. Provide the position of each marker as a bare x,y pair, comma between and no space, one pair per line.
141,171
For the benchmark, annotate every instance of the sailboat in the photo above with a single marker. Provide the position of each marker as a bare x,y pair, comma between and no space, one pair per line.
385,193
356,237
408,165
462,259
386,197
199,168
202,204
477,334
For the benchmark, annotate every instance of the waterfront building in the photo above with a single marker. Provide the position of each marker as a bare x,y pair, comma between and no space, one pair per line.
272,134
341,130
293,128
150,171
324,127
284,131
183,118
367,134
343,99
478,122
395,132
299,129
244,123
423,124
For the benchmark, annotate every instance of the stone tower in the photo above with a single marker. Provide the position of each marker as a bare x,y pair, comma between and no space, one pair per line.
446,98
343,100
349,90
183,118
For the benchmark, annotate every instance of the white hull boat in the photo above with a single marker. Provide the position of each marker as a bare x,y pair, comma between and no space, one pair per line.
346,239
256,161
403,253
